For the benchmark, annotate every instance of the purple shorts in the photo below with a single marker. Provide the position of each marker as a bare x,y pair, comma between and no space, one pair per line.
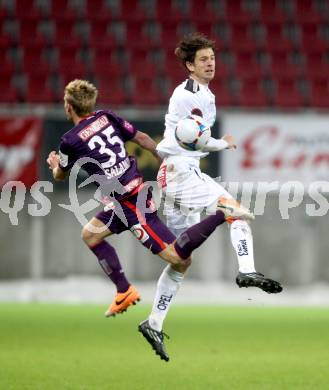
147,228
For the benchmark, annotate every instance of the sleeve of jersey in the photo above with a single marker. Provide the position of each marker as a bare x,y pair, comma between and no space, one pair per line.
66,159
215,145
128,131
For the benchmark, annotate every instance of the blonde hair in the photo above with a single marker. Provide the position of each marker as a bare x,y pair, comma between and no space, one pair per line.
82,95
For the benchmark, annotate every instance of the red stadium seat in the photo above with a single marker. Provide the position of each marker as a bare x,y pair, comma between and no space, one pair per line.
65,36
146,93
100,37
172,67
311,41
204,28
171,83
241,39
169,36
6,41
70,60
98,11
235,12
317,72
8,95
111,92
7,68
286,95
30,36
62,10
71,74
6,82
319,95
223,71
252,95
144,68
105,67
246,66
136,37
224,97
271,12
3,13
167,11
34,60
306,12
203,12
132,10
281,67
38,90
27,10
275,39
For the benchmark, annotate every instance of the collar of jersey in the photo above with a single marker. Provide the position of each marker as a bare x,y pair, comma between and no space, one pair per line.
84,118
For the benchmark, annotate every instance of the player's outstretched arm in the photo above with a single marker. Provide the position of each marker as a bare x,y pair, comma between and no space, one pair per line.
53,162
146,142
215,145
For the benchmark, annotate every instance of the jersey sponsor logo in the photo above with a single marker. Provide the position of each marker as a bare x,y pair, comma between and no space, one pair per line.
162,176
164,301
242,248
140,233
63,159
93,128
128,126
197,111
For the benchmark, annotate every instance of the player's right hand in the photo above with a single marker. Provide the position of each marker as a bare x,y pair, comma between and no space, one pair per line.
53,160
230,140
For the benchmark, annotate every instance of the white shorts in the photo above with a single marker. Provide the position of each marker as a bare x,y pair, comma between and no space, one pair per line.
187,192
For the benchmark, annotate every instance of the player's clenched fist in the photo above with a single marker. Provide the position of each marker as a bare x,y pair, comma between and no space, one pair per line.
53,160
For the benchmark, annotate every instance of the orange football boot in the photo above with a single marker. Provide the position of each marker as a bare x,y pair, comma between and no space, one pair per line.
122,301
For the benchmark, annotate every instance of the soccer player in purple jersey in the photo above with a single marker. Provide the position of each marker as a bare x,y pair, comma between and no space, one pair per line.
99,137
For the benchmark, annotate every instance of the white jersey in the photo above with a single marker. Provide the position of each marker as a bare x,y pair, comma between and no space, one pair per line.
188,98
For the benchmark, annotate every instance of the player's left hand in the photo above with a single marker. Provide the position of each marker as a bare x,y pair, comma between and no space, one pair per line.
53,160
230,140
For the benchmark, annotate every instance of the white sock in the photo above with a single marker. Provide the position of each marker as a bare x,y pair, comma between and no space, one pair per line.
242,242
167,287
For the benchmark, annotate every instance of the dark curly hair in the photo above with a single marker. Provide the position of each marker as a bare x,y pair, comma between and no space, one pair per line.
190,44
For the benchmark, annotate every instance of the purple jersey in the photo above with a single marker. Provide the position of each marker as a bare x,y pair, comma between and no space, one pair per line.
101,137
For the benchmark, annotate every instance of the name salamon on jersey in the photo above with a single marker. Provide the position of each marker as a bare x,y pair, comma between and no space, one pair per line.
119,169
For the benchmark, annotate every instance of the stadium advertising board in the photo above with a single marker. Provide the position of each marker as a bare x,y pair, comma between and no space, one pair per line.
277,148
20,143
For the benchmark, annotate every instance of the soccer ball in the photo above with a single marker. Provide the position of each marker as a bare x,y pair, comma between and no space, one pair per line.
191,133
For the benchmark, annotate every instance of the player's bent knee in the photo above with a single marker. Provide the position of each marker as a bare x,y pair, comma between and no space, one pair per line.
89,237
86,235
170,255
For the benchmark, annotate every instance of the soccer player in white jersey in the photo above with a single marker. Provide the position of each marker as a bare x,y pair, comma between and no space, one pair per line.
187,188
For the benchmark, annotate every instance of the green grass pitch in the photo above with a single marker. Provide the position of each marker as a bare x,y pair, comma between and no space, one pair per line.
60,347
